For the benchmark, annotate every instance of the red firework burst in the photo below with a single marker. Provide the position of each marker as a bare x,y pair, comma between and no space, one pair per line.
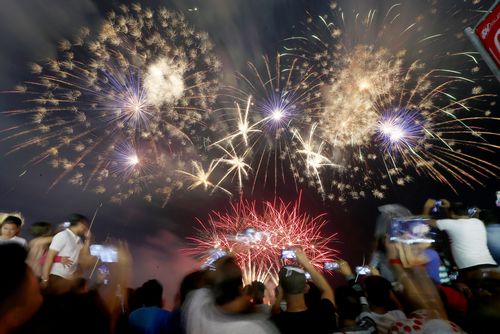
256,235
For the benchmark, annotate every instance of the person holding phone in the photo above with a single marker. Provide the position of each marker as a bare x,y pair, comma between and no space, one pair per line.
468,239
298,318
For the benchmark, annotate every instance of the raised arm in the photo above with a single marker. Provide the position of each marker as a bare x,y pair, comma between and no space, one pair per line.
427,210
316,276
418,288
85,259
428,205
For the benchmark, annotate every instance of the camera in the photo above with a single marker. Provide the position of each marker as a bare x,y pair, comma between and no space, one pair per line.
437,206
106,254
410,230
215,254
472,211
288,254
331,265
363,270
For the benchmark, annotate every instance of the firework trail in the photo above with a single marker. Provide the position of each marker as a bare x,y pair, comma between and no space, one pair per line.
120,111
385,113
261,115
257,233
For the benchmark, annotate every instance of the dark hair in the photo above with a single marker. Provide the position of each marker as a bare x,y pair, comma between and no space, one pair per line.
258,289
441,213
347,301
13,256
459,208
488,217
190,282
39,229
378,291
228,283
152,293
77,218
313,296
13,220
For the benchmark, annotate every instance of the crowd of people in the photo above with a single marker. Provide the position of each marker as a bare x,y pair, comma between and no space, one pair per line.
449,285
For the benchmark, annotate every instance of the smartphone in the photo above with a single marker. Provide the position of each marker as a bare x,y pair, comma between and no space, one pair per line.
308,276
410,230
472,211
107,254
288,254
331,265
363,270
437,206
104,272
214,255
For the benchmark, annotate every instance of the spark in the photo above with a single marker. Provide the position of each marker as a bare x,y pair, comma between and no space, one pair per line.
201,177
236,163
245,128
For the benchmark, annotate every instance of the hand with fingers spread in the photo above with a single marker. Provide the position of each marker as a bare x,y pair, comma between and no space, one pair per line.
66,261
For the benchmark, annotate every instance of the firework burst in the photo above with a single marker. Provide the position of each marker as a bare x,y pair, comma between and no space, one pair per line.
256,235
144,84
264,111
385,115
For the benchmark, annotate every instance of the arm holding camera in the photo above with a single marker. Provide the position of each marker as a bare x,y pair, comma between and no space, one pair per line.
316,276
429,205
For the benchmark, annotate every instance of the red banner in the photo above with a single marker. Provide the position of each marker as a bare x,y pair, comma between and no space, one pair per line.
488,32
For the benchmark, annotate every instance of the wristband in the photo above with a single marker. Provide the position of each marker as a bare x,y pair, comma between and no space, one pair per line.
395,261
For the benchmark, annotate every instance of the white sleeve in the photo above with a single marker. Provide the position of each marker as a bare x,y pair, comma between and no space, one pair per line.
24,242
58,242
444,224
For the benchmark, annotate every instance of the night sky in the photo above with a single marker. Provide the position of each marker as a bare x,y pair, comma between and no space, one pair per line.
242,31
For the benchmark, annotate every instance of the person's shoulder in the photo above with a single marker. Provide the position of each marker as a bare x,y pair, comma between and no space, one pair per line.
20,240
398,314
258,326
164,313
200,295
138,313
60,235
474,221
326,305
445,223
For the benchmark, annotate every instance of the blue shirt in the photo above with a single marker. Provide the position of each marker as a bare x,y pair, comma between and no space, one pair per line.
432,267
149,320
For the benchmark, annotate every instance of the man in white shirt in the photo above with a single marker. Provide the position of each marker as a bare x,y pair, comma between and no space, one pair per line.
468,235
67,243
